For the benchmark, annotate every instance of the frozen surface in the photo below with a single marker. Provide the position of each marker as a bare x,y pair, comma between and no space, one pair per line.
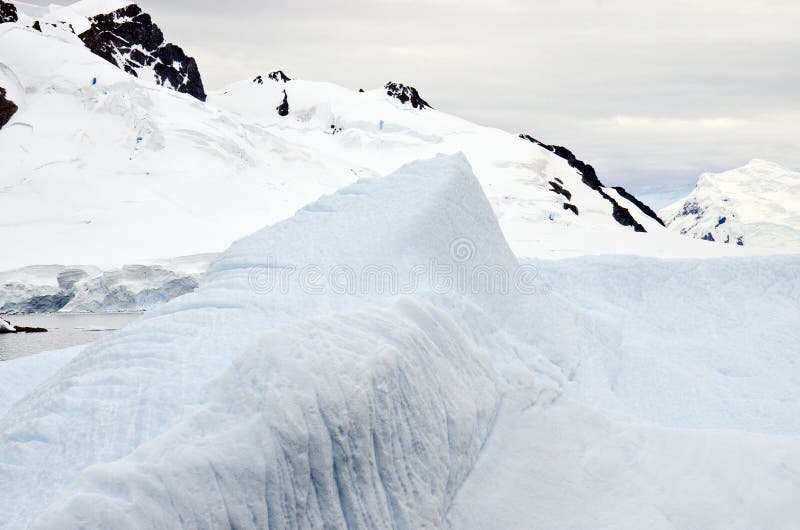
255,406
586,402
567,466
703,343
19,377
321,375
352,393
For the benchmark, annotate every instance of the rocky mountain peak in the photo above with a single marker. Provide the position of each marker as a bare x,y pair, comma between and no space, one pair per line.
129,39
406,94
278,76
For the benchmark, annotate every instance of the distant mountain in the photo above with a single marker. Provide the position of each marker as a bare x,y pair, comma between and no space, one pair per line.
755,205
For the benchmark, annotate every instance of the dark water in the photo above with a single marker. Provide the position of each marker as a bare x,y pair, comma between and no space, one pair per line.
63,330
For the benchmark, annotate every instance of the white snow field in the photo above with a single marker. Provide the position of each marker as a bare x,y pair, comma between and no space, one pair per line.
754,205
618,393
136,172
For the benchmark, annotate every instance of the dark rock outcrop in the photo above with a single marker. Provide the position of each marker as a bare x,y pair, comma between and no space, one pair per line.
7,108
639,204
37,26
283,108
8,12
589,177
555,187
588,174
278,76
7,327
622,215
572,207
129,39
406,94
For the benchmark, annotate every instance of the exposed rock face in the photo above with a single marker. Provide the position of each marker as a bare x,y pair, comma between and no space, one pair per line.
129,39
642,206
572,207
283,108
278,76
589,177
8,12
555,187
588,174
406,94
7,108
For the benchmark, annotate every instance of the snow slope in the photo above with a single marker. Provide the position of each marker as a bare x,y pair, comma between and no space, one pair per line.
131,170
135,171
755,205
686,420
255,402
567,466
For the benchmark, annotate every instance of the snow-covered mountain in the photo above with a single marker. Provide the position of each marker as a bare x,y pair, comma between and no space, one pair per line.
392,346
105,156
755,205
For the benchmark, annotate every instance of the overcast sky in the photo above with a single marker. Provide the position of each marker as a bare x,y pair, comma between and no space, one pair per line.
650,92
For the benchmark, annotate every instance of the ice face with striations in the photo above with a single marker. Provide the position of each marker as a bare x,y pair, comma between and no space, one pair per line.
236,406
